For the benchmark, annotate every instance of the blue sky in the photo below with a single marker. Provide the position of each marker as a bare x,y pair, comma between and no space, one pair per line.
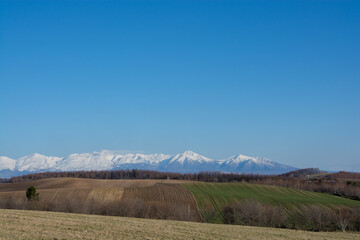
278,79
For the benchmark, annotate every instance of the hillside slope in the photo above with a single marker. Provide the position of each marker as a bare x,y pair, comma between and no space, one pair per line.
165,199
215,196
172,199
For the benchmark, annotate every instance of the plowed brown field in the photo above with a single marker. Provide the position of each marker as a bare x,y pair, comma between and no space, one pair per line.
173,197
145,198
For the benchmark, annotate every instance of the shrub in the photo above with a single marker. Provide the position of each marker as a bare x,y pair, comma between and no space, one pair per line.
254,213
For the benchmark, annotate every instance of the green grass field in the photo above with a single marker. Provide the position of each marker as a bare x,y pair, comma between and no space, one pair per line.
217,195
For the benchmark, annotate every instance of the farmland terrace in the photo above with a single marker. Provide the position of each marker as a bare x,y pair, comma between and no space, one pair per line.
188,201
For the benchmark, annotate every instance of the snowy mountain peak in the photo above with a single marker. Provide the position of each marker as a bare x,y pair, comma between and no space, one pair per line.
136,158
34,155
186,162
36,162
239,158
7,163
189,152
245,164
190,156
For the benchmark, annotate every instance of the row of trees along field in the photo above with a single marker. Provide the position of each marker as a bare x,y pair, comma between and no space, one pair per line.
333,184
306,217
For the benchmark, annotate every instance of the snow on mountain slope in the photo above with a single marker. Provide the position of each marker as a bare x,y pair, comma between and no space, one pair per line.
106,160
103,160
7,163
140,161
142,158
186,162
36,162
244,164
189,156
236,159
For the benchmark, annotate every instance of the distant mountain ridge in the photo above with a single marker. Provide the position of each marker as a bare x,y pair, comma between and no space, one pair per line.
186,162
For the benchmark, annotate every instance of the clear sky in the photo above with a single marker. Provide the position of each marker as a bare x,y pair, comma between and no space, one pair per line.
278,79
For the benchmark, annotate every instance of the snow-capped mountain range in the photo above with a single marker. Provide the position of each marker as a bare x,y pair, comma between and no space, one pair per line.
186,162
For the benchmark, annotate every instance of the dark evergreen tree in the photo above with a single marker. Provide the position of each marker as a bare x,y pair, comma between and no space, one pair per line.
31,193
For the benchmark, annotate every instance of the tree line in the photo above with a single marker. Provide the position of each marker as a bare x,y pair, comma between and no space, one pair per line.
336,184
305,217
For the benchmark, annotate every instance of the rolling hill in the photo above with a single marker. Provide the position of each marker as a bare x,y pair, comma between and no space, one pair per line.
167,199
215,196
164,199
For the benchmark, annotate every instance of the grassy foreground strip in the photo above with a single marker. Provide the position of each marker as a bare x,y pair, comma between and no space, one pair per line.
21,224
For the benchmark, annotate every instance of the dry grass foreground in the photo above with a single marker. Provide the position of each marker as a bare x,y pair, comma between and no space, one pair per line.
22,224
